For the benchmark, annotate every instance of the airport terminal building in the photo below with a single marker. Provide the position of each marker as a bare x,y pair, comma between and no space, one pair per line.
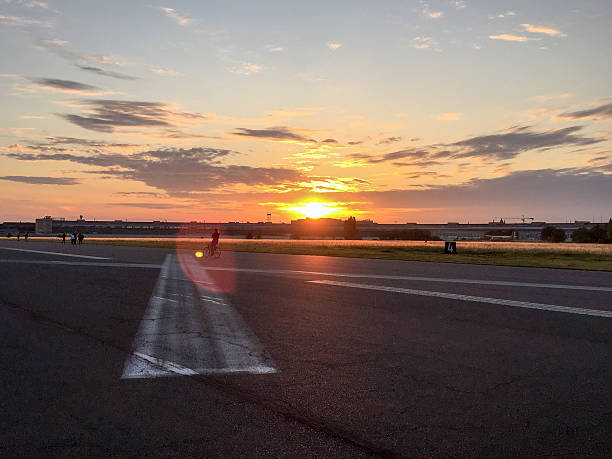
306,228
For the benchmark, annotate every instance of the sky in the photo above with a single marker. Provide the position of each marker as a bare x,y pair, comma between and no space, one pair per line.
396,111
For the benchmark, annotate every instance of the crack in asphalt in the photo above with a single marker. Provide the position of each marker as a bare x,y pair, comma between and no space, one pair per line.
283,408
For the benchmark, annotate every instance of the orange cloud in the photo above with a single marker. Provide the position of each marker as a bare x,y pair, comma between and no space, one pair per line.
509,37
543,29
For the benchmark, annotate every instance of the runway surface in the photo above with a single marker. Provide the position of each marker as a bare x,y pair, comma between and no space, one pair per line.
128,351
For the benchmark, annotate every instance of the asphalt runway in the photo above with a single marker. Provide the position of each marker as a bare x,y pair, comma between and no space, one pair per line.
126,351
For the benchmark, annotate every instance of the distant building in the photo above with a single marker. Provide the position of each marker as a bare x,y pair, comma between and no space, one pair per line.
44,225
309,228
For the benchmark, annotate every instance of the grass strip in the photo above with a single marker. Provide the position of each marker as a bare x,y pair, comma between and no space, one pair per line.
529,257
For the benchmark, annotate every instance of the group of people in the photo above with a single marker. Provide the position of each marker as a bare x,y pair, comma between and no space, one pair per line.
74,238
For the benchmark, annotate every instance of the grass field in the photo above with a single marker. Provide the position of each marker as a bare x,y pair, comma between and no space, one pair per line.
535,254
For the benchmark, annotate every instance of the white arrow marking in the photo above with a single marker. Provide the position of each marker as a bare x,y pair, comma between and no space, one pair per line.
188,330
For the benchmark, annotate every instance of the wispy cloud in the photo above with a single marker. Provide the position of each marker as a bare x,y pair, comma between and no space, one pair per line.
499,146
432,14
427,163
278,133
67,86
17,21
41,180
108,73
508,144
177,17
388,140
543,30
177,171
34,4
424,43
245,68
334,46
63,49
510,37
105,115
71,145
139,194
595,113
164,72
149,205
502,15
275,49
410,153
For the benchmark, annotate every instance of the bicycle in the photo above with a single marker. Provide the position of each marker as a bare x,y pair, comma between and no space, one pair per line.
216,252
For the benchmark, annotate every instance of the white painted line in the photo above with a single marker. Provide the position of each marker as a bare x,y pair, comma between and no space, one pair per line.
477,299
56,253
153,367
188,330
81,263
417,278
166,299
232,337
258,370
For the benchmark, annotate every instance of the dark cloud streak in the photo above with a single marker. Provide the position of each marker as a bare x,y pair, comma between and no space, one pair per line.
272,133
105,115
510,144
174,170
603,111
41,180
63,85
107,73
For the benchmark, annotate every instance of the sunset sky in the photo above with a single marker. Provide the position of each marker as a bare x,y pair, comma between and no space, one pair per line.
396,111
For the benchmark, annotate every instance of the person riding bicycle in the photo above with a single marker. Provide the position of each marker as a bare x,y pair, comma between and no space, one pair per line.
215,241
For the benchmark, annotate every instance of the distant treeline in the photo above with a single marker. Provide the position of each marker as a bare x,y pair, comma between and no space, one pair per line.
598,234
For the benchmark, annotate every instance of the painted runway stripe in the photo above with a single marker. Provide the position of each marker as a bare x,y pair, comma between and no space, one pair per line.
417,278
81,263
187,329
56,253
477,299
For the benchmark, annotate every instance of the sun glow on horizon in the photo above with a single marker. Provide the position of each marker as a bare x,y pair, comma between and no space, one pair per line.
314,209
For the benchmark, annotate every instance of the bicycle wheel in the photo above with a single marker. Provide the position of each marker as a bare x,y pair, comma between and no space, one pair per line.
217,252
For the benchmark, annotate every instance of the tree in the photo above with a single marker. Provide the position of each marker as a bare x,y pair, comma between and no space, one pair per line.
601,234
546,233
558,235
552,234
350,229
583,235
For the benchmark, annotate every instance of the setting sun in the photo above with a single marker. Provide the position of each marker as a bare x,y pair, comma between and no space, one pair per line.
314,209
